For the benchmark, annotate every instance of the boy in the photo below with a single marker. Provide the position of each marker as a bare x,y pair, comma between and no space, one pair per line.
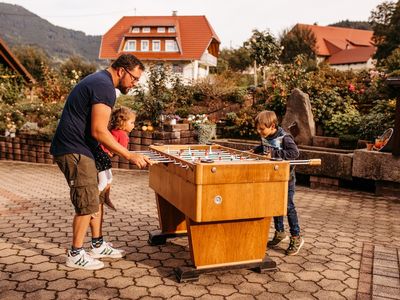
277,143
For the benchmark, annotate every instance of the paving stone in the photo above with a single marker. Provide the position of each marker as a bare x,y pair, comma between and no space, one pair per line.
61,284
148,281
385,291
90,283
41,294
12,295
31,285
73,294
278,287
332,285
338,239
192,290
309,276
334,274
295,295
324,295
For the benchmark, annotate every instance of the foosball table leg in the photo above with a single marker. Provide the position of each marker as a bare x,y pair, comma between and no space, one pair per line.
267,265
187,274
158,238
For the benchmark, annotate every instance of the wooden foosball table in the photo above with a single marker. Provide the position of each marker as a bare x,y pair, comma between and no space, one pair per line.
222,199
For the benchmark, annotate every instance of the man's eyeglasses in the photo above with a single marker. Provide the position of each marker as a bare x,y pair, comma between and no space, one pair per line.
133,77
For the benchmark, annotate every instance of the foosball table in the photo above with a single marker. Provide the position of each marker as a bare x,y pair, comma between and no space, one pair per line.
221,198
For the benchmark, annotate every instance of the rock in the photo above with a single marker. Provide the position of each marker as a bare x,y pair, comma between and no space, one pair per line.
299,119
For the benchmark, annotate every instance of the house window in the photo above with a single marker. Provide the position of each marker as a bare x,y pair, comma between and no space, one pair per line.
146,29
156,46
171,29
161,29
171,46
177,68
144,46
130,46
136,29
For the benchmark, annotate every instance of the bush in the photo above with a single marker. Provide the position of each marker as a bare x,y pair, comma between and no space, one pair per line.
381,117
11,86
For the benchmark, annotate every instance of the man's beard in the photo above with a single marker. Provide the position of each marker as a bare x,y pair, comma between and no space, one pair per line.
123,89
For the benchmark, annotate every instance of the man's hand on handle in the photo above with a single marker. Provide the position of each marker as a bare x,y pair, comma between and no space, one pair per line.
140,160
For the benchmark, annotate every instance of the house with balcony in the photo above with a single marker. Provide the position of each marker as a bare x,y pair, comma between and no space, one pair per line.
188,44
343,48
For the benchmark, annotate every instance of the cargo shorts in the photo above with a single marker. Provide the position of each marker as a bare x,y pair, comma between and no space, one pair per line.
81,175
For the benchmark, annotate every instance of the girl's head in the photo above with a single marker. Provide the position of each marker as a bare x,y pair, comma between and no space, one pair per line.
123,118
266,123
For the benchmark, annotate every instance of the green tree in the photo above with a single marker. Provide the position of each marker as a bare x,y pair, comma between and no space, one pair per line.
33,59
237,60
385,21
363,25
298,41
392,62
264,49
76,68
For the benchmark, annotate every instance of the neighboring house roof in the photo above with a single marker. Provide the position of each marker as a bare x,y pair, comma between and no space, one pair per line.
337,40
355,55
194,35
11,61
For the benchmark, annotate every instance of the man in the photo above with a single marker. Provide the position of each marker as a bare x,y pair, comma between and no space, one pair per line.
83,125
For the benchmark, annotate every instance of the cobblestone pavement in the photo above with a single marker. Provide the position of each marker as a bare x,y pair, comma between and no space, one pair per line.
351,250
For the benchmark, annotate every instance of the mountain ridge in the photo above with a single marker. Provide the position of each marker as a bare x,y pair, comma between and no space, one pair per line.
19,26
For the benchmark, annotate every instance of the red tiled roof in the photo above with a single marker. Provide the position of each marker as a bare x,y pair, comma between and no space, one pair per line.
193,34
354,55
339,37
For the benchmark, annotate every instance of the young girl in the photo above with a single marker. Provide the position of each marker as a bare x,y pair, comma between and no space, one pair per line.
121,124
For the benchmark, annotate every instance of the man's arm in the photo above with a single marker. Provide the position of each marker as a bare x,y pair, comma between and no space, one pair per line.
100,117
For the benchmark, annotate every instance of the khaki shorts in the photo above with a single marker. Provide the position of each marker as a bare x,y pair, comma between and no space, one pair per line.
81,175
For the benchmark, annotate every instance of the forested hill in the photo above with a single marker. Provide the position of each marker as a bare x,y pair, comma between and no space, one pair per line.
19,26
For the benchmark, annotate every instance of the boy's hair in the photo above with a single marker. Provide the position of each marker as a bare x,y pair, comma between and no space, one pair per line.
127,61
119,116
266,118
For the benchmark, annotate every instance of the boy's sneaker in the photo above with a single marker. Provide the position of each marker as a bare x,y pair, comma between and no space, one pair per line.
295,245
279,236
83,261
106,250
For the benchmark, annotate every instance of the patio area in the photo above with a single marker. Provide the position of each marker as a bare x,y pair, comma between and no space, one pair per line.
351,250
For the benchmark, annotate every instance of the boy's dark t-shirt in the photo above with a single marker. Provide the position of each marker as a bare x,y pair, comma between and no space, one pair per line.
73,134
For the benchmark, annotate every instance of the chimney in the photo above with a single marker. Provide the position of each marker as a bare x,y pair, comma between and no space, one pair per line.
174,13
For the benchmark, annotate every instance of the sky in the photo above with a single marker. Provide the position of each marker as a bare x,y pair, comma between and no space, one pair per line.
232,20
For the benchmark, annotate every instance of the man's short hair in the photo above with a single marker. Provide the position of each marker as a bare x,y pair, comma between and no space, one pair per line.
127,61
266,118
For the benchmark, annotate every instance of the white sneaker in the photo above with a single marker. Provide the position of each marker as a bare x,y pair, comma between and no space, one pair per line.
83,261
106,250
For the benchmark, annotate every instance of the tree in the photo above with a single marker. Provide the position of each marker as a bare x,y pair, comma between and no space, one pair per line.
76,68
363,25
33,59
392,62
385,21
264,50
237,60
298,41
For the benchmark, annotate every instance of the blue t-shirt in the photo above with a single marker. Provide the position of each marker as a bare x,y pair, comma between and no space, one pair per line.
73,134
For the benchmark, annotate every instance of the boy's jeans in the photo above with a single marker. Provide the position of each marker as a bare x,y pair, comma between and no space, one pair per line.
291,213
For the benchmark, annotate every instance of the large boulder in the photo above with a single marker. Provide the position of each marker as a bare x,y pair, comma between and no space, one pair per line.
299,119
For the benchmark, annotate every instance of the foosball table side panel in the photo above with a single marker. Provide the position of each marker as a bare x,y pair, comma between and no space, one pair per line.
237,201
215,244
174,188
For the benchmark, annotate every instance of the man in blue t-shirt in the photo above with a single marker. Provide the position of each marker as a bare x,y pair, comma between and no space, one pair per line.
83,125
